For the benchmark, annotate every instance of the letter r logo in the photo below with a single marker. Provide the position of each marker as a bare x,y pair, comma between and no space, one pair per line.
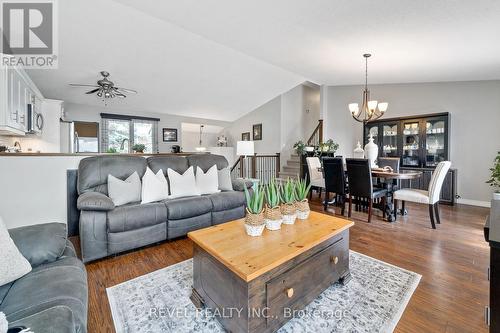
27,28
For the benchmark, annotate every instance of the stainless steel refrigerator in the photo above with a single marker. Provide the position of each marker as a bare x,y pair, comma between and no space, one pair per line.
79,137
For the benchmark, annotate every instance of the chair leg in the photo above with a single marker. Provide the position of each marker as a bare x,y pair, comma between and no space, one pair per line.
370,209
395,203
325,203
310,194
436,210
319,190
431,215
403,207
382,202
342,202
349,212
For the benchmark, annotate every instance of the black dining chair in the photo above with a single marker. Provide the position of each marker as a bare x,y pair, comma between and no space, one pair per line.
359,176
393,163
335,182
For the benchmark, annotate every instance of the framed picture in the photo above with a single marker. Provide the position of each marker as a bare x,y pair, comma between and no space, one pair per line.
245,136
170,135
257,132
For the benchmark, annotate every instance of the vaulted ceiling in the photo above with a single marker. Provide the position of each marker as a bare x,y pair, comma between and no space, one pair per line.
222,58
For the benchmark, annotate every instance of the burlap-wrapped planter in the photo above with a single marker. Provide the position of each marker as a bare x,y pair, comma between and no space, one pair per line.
303,209
272,217
254,224
289,213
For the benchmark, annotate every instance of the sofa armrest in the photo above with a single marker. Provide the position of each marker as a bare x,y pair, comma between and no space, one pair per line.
40,243
241,184
95,201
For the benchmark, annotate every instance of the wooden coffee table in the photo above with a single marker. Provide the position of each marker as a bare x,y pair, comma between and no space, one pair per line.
254,284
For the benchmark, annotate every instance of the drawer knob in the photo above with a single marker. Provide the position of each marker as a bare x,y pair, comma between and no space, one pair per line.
335,260
289,292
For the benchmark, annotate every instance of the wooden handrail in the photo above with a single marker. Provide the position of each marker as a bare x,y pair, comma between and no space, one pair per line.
255,165
318,131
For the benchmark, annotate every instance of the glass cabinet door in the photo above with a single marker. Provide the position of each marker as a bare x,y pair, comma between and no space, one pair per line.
435,139
389,142
411,143
373,130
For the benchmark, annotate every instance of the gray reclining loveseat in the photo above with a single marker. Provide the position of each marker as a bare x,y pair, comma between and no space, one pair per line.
106,229
53,296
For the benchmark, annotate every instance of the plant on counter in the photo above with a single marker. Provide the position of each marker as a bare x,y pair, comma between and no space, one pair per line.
112,151
288,198
494,181
328,146
272,213
302,189
139,148
254,219
299,147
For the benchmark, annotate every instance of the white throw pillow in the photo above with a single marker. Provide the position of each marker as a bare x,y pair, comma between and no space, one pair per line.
124,191
154,187
207,183
225,183
12,263
182,185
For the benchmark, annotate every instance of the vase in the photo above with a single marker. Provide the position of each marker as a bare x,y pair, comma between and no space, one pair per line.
289,213
303,209
358,151
254,224
371,152
496,195
272,218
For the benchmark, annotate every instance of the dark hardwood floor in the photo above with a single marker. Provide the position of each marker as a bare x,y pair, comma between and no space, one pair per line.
452,260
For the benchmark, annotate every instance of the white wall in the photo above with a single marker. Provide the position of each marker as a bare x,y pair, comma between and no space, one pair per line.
80,112
475,118
191,140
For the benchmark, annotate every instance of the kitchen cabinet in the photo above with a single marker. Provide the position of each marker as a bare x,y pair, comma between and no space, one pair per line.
16,92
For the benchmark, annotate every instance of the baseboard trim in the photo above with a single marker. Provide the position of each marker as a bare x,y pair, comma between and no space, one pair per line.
478,203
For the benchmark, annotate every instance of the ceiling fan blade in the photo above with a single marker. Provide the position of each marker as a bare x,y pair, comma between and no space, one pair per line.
119,94
125,90
83,85
93,91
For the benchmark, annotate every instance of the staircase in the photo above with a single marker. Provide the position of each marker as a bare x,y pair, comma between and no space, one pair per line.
291,169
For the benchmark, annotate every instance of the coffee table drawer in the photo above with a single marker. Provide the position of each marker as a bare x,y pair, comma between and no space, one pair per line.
297,287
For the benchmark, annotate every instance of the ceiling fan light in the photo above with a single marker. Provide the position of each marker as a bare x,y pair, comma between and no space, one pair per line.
354,108
382,107
99,94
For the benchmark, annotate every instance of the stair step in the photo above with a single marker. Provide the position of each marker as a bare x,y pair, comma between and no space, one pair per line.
294,158
285,175
293,164
292,169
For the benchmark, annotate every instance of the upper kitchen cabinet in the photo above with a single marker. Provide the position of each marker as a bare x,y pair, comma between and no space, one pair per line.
17,93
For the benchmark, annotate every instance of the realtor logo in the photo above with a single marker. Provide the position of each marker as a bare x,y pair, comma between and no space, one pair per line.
29,34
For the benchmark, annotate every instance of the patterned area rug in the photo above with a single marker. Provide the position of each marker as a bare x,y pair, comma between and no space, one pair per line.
373,301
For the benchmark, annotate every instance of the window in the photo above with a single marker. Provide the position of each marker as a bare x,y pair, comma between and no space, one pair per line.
121,133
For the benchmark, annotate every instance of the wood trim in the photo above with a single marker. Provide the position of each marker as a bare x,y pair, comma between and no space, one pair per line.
413,117
250,257
126,117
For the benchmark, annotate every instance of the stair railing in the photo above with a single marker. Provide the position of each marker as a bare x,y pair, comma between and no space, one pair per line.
316,137
262,167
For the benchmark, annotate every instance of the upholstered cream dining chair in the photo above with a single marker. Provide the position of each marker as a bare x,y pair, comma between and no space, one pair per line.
316,176
430,197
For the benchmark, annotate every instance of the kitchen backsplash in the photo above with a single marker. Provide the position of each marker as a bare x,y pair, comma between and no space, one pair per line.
6,141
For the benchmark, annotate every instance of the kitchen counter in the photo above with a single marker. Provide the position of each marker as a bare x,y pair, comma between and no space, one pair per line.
93,154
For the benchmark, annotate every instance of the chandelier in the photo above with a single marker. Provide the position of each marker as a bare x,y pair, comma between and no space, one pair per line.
370,109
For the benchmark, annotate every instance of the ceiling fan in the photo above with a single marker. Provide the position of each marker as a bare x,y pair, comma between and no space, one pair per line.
106,88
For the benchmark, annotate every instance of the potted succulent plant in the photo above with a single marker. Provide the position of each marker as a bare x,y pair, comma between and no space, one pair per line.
288,209
495,177
272,213
139,148
302,189
254,219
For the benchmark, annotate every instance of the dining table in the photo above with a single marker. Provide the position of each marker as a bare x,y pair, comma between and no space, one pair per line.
388,174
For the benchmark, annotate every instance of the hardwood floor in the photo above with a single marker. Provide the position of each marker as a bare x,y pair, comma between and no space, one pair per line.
452,260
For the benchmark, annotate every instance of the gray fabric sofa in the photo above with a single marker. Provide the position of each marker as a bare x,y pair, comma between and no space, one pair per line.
106,229
53,296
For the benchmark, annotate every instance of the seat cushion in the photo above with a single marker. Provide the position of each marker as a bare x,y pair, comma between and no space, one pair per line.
419,196
378,193
136,216
227,200
181,208
62,283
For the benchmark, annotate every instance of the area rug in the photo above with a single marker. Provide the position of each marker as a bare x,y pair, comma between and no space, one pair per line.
373,301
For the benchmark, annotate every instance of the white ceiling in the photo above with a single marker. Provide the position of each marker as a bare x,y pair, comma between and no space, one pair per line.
222,58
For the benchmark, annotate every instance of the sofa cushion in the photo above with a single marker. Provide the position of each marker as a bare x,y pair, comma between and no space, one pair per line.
40,243
179,228
125,191
12,263
93,171
227,200
177,163
181,208
136,216
62,283
206,161
95,201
